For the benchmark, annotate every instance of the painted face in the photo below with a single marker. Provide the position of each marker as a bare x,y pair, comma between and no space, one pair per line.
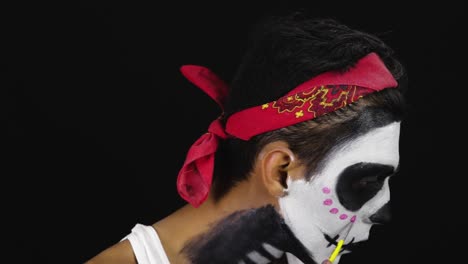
338,202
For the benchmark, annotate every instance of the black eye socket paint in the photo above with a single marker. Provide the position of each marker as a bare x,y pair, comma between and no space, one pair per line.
250,236
359,182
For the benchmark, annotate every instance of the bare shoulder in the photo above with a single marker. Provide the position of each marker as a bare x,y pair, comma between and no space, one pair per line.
120,253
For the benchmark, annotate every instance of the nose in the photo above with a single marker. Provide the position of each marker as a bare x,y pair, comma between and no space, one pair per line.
382,216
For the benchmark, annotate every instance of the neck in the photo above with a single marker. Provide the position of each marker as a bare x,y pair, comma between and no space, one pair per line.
188,222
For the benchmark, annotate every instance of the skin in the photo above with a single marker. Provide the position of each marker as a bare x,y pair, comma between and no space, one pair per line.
263,186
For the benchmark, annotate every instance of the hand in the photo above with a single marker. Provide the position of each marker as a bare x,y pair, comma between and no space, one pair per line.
326,262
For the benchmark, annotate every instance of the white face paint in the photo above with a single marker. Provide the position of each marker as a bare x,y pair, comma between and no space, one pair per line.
312,209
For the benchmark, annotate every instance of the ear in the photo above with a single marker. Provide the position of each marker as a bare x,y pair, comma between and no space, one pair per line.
274,163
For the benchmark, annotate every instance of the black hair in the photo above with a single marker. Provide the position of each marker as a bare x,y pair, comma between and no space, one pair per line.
284,52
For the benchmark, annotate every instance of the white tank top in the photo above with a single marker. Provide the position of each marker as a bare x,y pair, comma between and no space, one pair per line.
146,245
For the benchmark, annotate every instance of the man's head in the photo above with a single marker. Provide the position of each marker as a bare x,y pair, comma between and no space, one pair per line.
327,176
346,195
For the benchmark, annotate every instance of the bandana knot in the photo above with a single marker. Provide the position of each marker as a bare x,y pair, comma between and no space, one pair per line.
195,177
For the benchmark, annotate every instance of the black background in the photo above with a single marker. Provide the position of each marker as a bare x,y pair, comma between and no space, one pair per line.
99,119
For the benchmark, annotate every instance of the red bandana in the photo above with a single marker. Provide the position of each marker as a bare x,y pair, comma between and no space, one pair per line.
322,94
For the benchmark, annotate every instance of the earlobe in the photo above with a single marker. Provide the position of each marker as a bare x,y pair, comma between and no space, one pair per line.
275,161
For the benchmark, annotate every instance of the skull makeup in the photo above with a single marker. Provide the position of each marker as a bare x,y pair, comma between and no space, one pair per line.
342,199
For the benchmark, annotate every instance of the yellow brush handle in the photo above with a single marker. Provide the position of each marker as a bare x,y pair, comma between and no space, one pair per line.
336,251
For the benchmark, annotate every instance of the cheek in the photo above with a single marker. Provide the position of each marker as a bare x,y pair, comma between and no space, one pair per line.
314,206
333,206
